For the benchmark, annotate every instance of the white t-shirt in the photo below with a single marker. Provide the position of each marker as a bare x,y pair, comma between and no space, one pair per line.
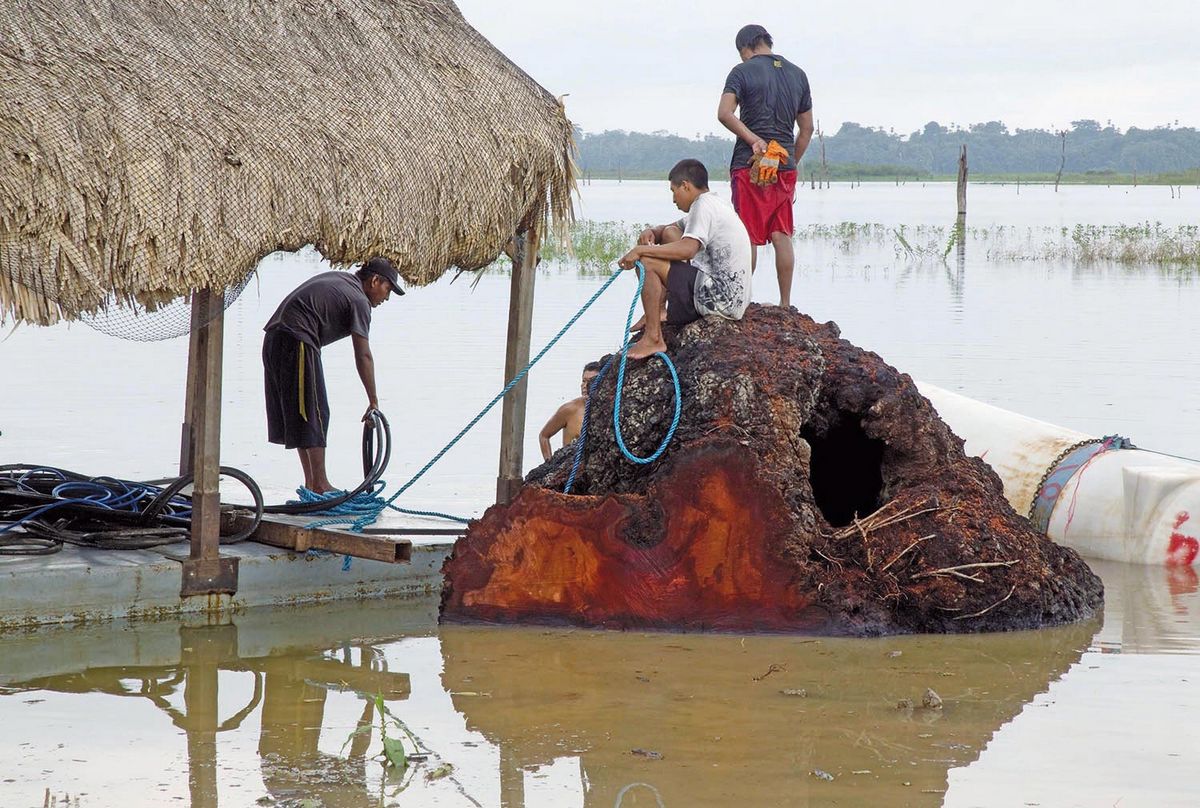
723,287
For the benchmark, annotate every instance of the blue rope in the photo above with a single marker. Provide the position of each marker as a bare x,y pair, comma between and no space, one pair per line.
662,447
587,405
374,511
583,428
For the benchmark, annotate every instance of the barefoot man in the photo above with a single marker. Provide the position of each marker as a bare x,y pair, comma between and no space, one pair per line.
568,419
696,266
323,309
774,100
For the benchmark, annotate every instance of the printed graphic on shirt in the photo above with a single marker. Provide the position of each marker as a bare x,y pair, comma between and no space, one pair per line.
723,287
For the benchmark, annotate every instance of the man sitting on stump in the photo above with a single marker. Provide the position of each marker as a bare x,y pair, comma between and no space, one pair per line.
696,266
323,309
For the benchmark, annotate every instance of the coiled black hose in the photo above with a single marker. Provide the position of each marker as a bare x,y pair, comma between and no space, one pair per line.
54,506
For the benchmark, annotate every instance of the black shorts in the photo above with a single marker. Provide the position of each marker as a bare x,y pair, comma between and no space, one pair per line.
681,293
297,408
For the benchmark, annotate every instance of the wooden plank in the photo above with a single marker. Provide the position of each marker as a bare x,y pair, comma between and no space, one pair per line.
206,572
283,532
456,532
520,323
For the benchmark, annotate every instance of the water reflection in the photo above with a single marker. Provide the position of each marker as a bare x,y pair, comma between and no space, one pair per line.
266,708
716,719
292,680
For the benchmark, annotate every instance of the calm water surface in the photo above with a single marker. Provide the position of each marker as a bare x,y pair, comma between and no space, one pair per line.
260,711
162,713
1101,349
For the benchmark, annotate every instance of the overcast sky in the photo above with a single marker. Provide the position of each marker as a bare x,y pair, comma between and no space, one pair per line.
645,66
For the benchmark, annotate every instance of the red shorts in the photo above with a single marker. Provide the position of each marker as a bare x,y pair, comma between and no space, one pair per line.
764,209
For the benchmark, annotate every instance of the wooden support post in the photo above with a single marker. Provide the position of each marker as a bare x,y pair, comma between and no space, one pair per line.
962,184
205,572
520,322
187,438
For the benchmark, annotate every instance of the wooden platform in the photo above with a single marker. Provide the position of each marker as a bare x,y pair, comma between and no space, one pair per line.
84,584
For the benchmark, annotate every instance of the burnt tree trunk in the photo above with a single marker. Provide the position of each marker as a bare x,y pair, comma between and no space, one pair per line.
809,487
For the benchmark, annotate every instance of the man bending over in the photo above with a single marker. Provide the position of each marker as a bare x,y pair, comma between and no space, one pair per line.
696,266
323,309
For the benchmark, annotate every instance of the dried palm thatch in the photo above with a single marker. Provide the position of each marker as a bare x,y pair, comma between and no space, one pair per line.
149,148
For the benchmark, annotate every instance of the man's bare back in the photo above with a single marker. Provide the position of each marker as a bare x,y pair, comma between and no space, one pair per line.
568,418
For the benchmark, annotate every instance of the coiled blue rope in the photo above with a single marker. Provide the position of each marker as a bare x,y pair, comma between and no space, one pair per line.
587,405
662,447
373,510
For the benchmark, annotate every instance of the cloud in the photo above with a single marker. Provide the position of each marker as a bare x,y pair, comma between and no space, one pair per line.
643,66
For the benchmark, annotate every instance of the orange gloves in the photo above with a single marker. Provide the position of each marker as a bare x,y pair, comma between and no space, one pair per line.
764,168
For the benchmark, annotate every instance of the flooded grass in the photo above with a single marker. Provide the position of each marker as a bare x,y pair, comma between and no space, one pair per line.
593,249
1146,244
595,246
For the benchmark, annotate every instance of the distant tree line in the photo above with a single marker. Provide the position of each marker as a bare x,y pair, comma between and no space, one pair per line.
1088,147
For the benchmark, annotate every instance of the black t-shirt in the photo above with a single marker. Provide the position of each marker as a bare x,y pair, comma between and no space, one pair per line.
771,92
324,309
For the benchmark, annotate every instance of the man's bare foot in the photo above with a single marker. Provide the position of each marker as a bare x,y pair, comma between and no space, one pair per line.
323,488
645,347
641,323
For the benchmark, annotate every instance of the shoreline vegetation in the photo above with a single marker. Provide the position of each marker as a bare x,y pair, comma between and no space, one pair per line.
899,175
1087,152
596,245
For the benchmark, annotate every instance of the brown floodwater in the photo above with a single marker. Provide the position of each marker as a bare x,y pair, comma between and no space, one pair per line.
264,711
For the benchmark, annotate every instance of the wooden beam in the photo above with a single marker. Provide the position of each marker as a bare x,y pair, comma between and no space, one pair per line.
187,439
293,533
205,572
520,323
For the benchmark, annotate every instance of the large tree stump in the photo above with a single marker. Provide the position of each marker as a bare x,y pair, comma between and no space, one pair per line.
809,487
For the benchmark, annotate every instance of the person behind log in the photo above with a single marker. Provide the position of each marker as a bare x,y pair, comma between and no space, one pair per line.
568,419
696,266
774,98
322,310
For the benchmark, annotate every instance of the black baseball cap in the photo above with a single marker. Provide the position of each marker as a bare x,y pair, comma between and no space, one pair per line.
385,269
748,34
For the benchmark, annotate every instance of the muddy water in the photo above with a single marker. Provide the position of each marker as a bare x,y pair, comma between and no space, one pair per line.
261,709
1100,349
264,711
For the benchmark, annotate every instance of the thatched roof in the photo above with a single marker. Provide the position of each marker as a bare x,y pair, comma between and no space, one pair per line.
150,147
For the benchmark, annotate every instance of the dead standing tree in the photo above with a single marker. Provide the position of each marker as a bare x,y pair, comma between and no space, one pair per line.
1062,136
962,184
824,165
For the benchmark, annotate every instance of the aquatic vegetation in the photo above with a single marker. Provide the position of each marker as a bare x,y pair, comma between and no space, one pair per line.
1145,244
395,756
595,246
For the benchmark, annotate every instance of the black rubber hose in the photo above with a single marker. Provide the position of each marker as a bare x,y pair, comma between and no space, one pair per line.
380,452
42,537
173,490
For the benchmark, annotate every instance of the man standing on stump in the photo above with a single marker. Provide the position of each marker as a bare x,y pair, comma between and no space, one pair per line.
323,309
773,97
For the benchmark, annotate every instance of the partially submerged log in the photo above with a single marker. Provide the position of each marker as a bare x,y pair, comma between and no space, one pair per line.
809,487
